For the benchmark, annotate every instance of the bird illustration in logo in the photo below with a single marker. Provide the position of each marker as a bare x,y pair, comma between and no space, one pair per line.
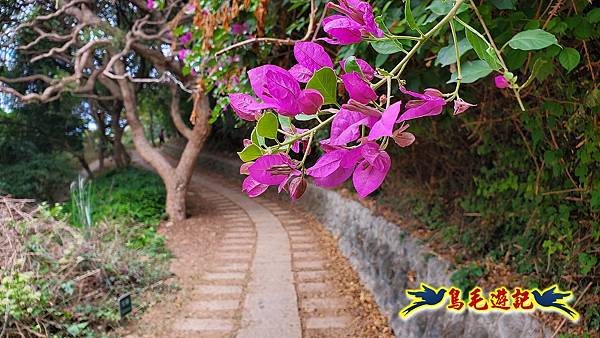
425,297
552,299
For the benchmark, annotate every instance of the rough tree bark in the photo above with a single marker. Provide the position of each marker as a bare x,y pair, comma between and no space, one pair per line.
120,154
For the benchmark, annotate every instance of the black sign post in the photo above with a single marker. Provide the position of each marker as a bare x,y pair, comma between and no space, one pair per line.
125,305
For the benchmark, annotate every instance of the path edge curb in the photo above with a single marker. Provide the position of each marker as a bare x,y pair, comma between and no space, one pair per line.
383,254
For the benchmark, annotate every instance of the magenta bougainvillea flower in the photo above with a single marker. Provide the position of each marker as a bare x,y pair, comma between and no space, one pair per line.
245,106
311,57
367,163
183,53
253,188
358,88
345,127
357,20
279,91
385,124
240,29
372,170
185,38
334,167
501,82
430,103
268,170
346,124
342,30
460,106
365,68
150,4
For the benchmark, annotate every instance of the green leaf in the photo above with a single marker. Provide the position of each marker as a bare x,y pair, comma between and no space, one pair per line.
250,153
387,46
410,19
583,30
472,71
350,65
503,4
569,58
303,117
593,16
381,59
483,49
325,81
257,139
267,126
532,40
285,122
515,58
447,55
542,68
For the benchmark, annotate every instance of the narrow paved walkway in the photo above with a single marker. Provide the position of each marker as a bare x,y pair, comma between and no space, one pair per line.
267,270
256,268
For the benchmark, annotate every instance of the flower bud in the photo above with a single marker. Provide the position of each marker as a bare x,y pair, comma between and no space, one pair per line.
460,106
297,187
501,82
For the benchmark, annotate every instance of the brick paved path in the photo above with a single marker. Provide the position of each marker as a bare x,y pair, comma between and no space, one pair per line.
268,278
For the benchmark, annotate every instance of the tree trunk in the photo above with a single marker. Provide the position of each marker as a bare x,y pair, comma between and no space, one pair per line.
85,165
101,156
176,178
176,199
120,155
103,139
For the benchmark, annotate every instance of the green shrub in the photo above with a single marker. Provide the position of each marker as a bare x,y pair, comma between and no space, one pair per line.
131,193
42,176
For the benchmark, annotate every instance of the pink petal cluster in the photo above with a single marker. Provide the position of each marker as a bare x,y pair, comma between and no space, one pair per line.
501,82
183,53
279,89
150,4
267,170
358,88
430,103
367,164
240,29
185,38
311,57
356,20
355,147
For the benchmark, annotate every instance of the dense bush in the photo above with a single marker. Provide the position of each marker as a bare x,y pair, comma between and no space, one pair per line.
40,176
130,194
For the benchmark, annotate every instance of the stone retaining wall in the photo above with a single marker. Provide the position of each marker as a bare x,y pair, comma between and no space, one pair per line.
383,254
